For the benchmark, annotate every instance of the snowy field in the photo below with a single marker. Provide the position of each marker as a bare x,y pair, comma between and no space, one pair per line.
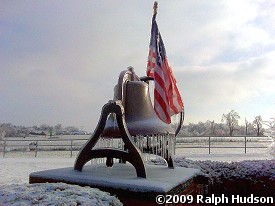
16,169
17,165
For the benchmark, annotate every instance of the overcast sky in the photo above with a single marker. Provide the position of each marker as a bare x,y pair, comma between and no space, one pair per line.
59,60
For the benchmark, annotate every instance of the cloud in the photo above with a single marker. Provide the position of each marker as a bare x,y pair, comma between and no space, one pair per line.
220,31
221,87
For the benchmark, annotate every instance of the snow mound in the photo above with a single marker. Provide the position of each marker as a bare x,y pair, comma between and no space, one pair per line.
251,176
54,194
244,169
271,149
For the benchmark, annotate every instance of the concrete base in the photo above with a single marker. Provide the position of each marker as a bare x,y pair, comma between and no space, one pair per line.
121,180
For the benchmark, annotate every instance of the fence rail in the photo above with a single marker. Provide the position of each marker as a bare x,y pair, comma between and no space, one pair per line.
208,142
42,145
70,145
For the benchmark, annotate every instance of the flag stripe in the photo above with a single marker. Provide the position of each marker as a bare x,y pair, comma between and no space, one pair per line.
161,107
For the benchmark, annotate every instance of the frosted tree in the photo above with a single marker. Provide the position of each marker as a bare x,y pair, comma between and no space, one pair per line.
2,135
257,123
271,133
231,120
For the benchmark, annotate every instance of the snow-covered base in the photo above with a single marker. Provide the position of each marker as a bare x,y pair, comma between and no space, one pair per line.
160,179
54,194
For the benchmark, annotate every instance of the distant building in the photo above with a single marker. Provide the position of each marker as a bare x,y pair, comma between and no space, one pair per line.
79,132
38,132
63,132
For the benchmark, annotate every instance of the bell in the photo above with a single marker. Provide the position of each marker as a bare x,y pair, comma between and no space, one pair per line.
131,118
140,116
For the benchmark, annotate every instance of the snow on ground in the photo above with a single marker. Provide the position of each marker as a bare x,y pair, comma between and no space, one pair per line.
14,187
16,170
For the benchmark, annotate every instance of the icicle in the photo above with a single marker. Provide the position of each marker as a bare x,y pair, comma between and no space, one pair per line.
142,143
149,144
116,143
153,145
174,145
139,142
165,146
105,142
156,146
119,144
168,145
160,146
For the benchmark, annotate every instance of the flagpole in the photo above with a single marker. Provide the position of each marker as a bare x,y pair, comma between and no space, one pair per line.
155,8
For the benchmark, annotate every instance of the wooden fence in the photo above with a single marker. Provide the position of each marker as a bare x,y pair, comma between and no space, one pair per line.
70,145
36,145
223,142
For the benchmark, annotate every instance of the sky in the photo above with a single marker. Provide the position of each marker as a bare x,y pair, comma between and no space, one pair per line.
59,60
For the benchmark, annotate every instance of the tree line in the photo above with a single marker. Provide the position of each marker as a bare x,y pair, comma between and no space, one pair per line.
229,126
44,129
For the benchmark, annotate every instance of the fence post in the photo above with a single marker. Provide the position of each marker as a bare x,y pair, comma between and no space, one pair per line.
71,147
36,144
245,144
209,146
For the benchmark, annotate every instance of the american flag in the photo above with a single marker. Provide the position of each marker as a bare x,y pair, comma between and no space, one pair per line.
167,99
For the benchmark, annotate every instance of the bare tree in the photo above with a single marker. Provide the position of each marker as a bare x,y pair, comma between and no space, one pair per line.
58,127
2,133
211,130
257,123
231,120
